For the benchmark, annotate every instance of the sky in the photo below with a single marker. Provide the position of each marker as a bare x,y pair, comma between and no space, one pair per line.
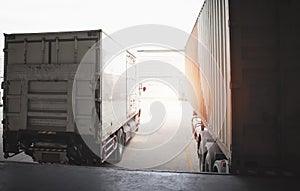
110,15
22,16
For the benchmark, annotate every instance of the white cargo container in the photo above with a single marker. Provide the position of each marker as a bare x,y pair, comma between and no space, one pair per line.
242,60
61,104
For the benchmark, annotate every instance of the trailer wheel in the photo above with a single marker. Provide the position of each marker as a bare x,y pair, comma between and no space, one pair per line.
6,155
120,146
202,159
74,155
214,153
200,163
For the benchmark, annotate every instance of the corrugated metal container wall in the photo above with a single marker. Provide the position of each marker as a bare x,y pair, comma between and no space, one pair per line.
212,58
192,69
214,63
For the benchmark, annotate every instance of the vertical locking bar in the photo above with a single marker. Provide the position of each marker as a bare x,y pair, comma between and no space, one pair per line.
75,49
43,50
57,49
25,51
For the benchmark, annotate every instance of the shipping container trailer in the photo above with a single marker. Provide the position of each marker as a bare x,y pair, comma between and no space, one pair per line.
242,59
61,104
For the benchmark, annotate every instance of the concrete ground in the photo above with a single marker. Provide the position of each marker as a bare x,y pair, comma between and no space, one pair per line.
25,176
164,140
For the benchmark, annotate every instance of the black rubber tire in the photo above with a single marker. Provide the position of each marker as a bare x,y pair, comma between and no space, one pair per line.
120,148
211,152
6,155
202,163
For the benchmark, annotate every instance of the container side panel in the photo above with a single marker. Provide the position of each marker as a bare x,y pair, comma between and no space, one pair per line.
192,70
264,75
209,73
119,100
